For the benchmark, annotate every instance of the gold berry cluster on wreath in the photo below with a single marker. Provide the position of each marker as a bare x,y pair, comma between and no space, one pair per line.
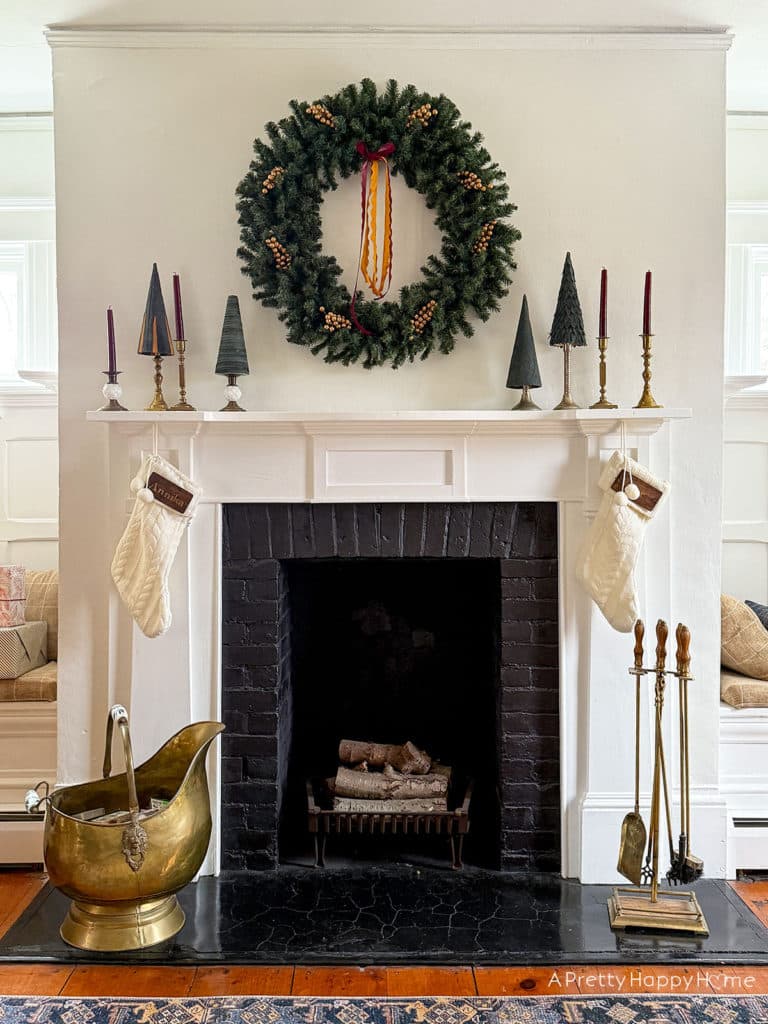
321,114
280,254
481,244
290,263
272,179
473,182
334,321
422,316
423,115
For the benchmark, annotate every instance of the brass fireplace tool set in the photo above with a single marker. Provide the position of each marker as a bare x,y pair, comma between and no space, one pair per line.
644,905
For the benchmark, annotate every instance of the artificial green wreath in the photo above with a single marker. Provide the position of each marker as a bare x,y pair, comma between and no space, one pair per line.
439,156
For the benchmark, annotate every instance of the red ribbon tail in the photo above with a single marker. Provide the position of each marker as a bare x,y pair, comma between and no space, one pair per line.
353,316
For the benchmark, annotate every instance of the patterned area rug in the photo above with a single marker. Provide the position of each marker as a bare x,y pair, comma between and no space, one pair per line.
509,1010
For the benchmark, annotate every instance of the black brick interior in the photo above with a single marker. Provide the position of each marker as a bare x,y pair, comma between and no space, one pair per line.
457,602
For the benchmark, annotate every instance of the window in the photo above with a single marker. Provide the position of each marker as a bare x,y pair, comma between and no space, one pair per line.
746,326
11,307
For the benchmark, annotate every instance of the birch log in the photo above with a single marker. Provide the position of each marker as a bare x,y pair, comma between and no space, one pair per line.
406,757
389,785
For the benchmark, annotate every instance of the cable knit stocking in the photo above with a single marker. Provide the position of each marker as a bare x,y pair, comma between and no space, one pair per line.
146,550
606,562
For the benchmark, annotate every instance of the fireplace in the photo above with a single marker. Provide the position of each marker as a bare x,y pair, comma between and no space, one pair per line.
430,622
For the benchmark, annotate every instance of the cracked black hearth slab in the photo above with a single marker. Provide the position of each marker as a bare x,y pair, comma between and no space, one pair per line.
404,915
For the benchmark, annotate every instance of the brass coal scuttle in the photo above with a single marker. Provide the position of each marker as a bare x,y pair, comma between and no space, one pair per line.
122,847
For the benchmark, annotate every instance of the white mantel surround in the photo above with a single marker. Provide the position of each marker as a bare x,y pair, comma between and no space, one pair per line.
418,456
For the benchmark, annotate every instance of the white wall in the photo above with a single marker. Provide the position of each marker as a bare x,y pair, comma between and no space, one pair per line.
614,154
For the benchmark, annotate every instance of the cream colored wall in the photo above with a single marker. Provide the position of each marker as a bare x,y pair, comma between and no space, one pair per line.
615,155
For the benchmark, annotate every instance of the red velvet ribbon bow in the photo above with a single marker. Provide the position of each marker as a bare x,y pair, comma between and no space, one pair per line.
368,202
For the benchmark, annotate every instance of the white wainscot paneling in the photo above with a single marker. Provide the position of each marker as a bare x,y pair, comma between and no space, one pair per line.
32,479
745,570
745,481
29,478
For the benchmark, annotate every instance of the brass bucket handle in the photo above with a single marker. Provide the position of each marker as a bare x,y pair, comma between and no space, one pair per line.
135,838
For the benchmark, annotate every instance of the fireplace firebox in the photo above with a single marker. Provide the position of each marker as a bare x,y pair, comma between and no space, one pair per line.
435,623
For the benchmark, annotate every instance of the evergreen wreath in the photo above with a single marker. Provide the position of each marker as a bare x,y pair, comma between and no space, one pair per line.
439,156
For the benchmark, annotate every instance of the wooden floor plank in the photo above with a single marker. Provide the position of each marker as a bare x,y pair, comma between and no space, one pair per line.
755,895
33,979
340,981
526,981
17,890
242,981
129,981
430,981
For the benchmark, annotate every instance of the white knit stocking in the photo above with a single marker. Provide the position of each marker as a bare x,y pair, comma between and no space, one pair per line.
606,562
146,550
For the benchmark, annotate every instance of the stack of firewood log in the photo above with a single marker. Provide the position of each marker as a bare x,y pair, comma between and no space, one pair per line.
376,778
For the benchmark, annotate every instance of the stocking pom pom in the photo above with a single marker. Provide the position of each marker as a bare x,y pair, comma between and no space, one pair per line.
621,498
136,484
632,491
146,495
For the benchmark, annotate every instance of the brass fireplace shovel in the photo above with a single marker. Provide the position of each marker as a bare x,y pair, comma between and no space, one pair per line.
633,832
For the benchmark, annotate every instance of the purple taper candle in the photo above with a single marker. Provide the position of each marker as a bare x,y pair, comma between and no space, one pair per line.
111,341
177,307
647,304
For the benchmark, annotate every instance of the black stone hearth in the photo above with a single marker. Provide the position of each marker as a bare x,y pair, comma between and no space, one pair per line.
404,915
430,622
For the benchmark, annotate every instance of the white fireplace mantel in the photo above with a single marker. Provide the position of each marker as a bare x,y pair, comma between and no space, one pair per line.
456,455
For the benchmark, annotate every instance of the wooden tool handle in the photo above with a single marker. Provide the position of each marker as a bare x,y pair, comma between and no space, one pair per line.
639,634
662,632
683,649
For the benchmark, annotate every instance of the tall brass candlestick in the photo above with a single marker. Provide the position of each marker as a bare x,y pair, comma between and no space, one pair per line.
647,401
602,402
182,405
158,403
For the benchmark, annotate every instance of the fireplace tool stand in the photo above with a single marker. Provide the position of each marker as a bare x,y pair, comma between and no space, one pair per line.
645,905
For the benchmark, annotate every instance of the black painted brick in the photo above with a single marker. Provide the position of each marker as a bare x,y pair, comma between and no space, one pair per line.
524,540
414,525
391,530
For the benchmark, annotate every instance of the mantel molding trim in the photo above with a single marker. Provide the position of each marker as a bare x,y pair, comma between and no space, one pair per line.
448,37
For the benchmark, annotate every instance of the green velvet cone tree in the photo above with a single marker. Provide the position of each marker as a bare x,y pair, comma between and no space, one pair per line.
232,361
567,328
524,366
155,338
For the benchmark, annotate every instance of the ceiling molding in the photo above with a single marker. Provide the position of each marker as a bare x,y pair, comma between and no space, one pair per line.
458,37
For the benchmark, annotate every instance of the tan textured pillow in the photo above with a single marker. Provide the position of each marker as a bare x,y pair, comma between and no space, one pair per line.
742,691
43,604
743,639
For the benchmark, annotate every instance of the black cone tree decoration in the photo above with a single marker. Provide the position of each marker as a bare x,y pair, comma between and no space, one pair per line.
232,361
156,339
567,328
524,366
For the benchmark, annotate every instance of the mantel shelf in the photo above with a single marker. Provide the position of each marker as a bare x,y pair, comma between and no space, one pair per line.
452,421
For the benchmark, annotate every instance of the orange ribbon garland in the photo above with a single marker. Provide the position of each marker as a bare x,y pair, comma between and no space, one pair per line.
377,279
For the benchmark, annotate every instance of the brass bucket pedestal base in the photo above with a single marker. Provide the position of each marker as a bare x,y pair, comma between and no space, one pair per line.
115,927
672,911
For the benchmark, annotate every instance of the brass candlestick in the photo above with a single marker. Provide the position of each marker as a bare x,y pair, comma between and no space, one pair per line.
602,402
182,405
647,401
158,403
567,402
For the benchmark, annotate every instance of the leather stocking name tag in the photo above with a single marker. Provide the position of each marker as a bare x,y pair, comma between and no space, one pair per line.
168,493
